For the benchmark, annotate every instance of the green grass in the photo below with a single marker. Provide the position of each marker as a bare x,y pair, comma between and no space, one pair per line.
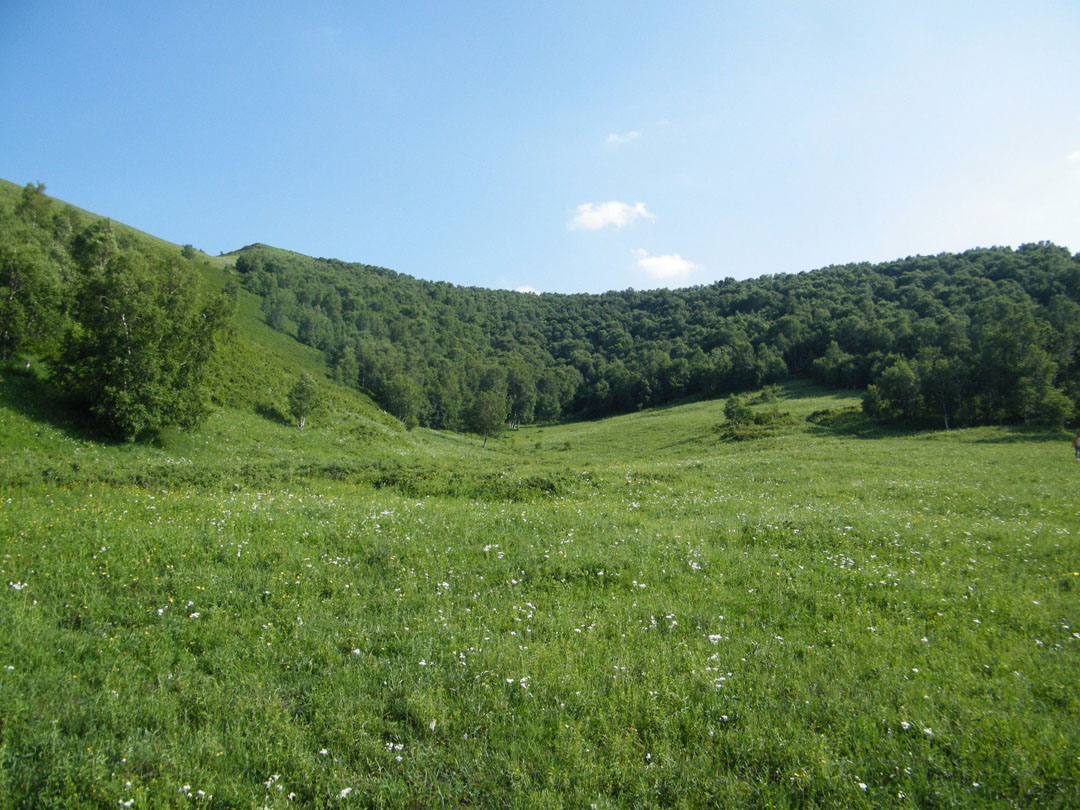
627,613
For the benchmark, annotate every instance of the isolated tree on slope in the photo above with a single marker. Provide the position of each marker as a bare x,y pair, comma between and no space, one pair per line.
303,400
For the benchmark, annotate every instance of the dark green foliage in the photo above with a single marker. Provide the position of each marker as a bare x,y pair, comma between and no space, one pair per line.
141,337
487,415
33,206
737,412
895,397
989,336
31,295
276,304
303,400
744,423
403,398
34,271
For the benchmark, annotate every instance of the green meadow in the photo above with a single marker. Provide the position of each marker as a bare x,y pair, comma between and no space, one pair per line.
643,611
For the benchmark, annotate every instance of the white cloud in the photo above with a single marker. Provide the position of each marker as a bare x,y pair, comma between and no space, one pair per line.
1074,157
527,288
592,217
668,266
615,138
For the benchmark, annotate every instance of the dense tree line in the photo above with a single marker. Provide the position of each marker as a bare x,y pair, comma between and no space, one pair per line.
986,336
124,326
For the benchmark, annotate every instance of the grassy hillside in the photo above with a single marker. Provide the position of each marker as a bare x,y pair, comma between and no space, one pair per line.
655,609
625,613
253,370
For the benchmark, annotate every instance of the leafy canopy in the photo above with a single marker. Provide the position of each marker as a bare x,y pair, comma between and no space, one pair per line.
141,336
303,400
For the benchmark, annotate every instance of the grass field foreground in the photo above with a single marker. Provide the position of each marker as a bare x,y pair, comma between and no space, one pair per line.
627,613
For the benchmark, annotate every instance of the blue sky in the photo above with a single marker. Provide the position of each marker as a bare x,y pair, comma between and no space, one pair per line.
562,147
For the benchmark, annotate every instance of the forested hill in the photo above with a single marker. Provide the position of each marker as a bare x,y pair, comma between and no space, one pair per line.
988,335
132,328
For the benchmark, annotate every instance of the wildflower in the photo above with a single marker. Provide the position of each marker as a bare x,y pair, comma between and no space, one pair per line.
905,725
194,615
928,732
862,785
345,792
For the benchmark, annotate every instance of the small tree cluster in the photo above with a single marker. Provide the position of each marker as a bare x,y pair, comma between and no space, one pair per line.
140,339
